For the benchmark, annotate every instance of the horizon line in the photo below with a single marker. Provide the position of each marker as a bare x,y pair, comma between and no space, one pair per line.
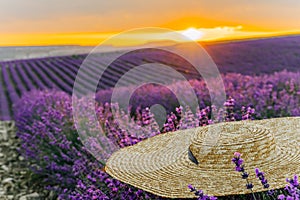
237,38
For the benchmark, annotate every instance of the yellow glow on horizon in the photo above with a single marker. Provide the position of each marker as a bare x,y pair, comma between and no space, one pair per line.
84,39
92,39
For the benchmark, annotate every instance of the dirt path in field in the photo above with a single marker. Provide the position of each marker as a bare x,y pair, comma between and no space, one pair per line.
14,173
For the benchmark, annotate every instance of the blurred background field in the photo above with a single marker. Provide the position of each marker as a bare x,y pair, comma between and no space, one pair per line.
249,57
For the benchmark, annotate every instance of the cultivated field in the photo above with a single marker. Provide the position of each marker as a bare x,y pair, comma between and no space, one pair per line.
245,57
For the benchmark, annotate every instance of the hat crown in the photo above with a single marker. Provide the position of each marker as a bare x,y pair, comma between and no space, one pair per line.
213,146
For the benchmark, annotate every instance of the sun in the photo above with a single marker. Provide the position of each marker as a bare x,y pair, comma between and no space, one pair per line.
192,34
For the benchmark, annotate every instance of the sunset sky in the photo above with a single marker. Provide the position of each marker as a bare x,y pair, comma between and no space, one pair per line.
56,22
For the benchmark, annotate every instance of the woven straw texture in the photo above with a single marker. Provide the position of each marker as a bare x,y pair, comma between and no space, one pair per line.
161,165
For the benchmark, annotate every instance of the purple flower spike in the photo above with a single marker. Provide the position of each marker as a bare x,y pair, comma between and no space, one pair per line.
245,175
238,162
261,176
249,186
191,188
237,154
292,188
290,198
293,181
200,194
240,168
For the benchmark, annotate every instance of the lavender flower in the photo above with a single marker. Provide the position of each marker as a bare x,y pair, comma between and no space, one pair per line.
229,105
238,161
239,167
247,113
200,194
261,176
281,197
203,116
249,186
51,144
292,188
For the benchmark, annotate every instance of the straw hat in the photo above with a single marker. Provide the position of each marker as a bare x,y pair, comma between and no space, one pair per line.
166,164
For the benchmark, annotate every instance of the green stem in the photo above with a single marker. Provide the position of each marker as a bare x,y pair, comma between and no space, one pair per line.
251,190
273,197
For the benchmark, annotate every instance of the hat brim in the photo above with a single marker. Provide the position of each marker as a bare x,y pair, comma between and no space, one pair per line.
160,165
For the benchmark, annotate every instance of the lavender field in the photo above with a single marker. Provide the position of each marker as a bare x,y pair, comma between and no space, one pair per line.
261,79
256,57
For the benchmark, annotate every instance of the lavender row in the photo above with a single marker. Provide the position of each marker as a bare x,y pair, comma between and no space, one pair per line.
4,105
28,83
51,71
33,77
12,94
17,79
89,74
87,80
43,75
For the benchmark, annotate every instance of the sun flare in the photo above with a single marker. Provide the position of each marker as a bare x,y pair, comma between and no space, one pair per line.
192,34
